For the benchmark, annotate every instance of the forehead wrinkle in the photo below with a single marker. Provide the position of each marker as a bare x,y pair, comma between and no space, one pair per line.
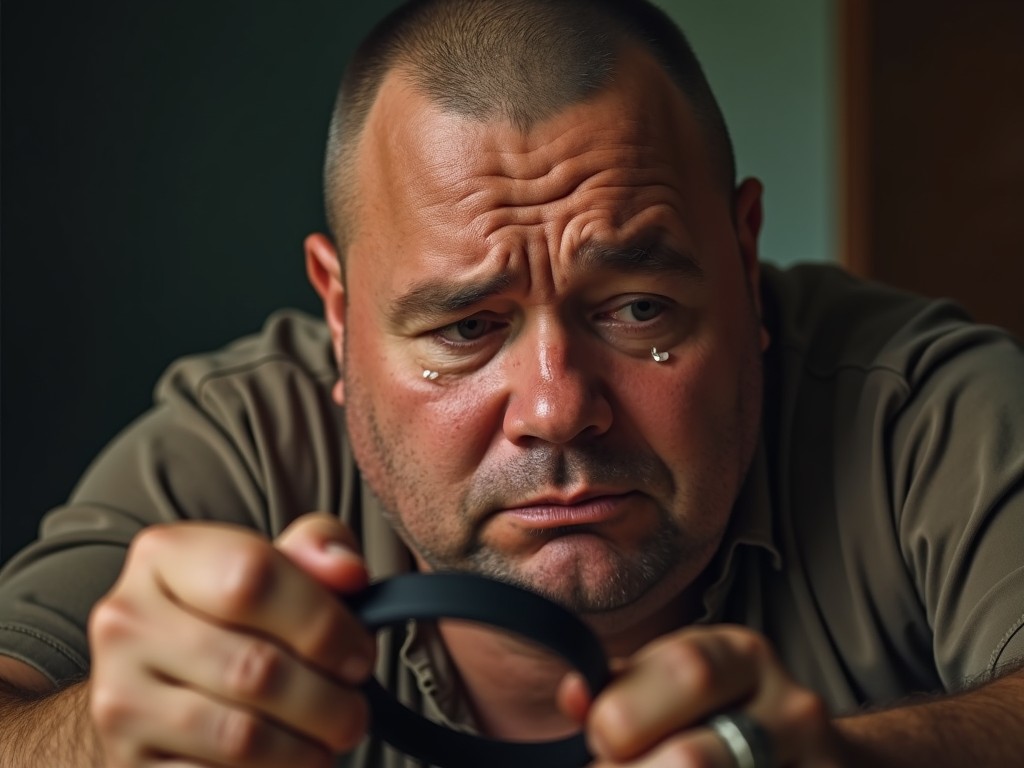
611,169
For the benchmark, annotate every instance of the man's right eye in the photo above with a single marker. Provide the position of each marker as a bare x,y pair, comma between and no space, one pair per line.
470,329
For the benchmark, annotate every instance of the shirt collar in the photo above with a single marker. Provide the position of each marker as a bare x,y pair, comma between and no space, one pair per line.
751,528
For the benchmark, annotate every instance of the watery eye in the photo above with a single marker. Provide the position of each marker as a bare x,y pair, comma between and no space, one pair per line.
645,309
470,329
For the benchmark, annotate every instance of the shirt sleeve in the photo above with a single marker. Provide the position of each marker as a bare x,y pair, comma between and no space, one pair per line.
248,436
958,485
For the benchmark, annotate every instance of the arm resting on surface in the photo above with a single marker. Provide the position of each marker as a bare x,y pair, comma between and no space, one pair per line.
983,726
40,726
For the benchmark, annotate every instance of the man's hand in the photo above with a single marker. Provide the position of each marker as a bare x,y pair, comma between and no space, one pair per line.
216,646
655,711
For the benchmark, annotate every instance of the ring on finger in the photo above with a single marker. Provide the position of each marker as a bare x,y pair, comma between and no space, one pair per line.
746,740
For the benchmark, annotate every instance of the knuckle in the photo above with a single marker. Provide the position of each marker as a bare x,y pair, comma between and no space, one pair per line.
689,665
114,719
147,544
237,735
333,636
246,578
109,711
112,620
253,670
750,643
324,636
612,718
807,707
150,539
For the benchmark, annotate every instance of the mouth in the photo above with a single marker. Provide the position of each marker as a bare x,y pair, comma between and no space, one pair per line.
548,513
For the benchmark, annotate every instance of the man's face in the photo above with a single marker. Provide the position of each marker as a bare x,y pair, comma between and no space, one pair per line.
534,273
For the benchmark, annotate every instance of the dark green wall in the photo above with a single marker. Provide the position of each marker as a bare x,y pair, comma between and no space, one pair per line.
161,166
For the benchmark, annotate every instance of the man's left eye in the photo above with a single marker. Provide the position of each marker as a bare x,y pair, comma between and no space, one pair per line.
640,310
472,328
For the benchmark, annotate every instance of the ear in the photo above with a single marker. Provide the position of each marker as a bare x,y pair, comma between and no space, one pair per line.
749,215
324,271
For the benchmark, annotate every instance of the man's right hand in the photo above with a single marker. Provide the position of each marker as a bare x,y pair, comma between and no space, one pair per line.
216,646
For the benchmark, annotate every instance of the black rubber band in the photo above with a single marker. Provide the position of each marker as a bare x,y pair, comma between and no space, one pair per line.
473,598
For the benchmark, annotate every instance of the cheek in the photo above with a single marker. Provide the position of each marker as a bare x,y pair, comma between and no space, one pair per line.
675,408
458,422
690,415
432,433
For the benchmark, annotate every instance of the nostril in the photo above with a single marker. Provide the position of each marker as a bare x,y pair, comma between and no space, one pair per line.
557,412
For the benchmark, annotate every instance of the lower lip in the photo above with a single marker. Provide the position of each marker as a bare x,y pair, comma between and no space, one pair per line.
590,512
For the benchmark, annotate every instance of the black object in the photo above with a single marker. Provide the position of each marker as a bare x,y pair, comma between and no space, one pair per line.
474,598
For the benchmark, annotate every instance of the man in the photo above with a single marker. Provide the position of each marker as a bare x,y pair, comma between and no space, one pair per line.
560,366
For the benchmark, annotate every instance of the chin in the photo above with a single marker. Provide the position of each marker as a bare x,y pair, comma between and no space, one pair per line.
627,600
586,574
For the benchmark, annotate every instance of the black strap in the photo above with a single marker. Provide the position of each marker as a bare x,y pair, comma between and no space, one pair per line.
473,598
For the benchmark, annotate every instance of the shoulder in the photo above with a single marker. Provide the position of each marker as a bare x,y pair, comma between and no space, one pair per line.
856,363
248,433
830,322
291,346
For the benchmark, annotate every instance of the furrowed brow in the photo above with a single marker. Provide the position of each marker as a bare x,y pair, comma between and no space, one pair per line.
653,260
433,299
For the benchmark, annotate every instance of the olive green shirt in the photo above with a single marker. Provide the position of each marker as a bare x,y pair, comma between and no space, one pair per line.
878,540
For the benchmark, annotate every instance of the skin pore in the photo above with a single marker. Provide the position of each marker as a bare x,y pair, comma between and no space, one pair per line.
535,271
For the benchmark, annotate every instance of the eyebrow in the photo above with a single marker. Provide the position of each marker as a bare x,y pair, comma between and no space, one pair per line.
441,298
436,298
653,260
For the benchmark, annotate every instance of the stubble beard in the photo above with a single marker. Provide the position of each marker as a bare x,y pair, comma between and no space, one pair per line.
626,575
629,576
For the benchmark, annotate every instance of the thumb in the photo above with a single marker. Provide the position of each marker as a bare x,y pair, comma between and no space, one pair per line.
324,547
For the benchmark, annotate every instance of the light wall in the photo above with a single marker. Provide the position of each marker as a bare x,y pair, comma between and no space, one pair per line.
773,66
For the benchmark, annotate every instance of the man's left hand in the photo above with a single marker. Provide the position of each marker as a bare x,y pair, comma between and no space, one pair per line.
656,710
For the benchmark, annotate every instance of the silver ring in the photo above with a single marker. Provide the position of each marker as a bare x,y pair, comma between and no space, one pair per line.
746,740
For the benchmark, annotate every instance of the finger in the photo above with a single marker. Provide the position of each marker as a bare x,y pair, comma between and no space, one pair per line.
573,697
326,549
182,725
253,672
237,579
674,683
698,748
796,721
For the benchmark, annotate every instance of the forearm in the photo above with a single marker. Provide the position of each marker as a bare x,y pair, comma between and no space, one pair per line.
984,726
51,729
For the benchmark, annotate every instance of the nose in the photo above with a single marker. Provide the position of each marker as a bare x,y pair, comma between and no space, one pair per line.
555,393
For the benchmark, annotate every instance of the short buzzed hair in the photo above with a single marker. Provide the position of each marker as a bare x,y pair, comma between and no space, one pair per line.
520,60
